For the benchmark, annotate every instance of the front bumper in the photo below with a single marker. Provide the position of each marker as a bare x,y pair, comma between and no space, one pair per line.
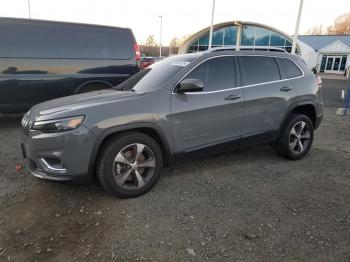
59,156
38,173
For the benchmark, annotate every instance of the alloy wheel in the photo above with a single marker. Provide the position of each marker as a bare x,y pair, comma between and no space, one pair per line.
299,137
134,166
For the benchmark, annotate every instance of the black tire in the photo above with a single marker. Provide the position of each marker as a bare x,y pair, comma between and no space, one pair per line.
106,164
285,143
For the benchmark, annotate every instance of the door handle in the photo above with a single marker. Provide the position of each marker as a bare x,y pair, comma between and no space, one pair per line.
232,97
286,89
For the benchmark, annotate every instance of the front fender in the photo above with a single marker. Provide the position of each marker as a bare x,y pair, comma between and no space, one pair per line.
129,127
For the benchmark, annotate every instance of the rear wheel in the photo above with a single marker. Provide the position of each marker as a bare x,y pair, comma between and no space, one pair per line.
297,137
129,165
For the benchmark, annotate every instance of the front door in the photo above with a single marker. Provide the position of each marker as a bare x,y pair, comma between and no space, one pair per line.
213,115
329,64
334,64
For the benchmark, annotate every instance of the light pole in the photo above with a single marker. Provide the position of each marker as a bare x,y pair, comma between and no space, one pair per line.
295,37
160,37
211,25
30,15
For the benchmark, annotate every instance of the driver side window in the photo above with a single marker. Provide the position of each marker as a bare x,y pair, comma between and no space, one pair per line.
216,73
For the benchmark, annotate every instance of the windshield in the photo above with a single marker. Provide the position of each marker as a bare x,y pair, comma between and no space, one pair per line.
156,75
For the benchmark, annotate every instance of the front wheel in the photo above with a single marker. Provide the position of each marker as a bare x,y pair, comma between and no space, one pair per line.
297,137
129,165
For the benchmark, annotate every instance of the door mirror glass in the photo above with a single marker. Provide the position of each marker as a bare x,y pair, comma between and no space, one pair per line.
190,85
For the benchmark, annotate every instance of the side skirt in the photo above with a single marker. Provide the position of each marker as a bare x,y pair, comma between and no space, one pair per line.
264,138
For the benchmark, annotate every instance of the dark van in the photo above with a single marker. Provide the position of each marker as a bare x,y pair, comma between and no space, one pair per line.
43,60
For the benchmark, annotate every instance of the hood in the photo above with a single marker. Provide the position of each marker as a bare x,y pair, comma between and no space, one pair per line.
80,101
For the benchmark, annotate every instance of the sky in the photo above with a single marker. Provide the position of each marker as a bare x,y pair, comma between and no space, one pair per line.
180,17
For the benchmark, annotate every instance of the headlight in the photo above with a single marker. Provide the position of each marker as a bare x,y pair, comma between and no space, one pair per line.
58,125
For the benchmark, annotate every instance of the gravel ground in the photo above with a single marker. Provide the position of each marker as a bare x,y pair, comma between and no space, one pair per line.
245,205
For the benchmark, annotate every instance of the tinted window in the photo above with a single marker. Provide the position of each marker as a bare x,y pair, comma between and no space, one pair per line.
216,73
343,63
225,36
288,68
259,69
277,40
203,40
251,36
248,36
32,40
221,37
262,37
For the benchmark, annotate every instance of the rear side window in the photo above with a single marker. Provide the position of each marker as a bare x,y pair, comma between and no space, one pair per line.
259,69
216,74
288,68
31,40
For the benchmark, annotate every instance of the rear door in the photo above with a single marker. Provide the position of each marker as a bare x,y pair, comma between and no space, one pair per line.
213,115
267,94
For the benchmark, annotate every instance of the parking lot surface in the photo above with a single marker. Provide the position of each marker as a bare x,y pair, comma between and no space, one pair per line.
244,205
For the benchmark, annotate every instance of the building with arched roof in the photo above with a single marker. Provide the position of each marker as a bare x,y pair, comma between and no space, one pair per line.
240,33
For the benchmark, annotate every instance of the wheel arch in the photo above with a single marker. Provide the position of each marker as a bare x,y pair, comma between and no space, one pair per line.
91,82
145,128
307,108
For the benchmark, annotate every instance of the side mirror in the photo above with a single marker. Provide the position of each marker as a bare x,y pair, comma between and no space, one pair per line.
190,85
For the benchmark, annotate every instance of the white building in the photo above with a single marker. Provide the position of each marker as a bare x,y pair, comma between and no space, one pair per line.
333,52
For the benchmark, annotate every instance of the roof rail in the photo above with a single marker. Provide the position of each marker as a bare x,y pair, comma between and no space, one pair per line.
253,48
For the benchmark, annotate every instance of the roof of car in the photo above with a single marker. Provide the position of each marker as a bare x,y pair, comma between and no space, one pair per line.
38,21
206,54
252,52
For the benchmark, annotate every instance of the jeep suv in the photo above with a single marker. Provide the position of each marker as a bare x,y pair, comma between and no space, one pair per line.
173,110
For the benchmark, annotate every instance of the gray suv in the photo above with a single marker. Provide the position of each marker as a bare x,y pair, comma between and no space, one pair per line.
180,107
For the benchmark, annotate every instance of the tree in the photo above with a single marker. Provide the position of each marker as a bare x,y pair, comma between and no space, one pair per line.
316,30
150,41
175,43
341,25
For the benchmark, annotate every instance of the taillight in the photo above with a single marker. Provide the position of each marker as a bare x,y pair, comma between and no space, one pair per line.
137,52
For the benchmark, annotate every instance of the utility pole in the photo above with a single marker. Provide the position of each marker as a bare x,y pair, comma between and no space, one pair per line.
160,37
30,15
296,32
211,25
